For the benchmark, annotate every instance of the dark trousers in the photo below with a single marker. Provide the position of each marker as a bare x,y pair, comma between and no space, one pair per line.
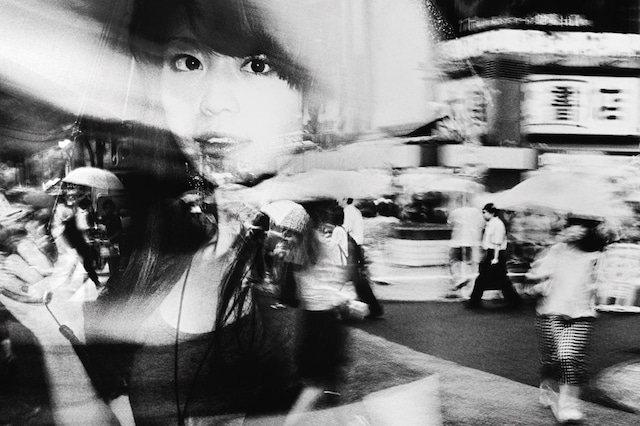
85,251
321,350
362,285
87,254
114,267
493,277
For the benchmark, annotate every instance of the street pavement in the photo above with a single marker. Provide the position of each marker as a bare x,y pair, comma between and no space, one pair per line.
409,284
620,383
457,394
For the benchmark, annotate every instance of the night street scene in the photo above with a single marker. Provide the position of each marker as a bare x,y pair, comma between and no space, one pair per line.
319,212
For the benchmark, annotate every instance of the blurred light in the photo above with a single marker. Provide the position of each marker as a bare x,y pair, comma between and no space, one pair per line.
64,143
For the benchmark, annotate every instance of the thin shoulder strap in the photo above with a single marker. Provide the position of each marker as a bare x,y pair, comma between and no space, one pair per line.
344,256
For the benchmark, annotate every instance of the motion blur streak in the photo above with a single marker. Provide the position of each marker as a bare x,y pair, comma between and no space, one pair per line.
68,53
72,54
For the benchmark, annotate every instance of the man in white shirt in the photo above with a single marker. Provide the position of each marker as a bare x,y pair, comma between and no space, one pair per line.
354,225
493,268
353,222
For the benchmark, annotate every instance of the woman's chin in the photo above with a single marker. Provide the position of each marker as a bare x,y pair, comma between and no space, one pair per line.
233,162
226,172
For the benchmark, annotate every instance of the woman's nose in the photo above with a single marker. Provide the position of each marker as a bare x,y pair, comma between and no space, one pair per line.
220,92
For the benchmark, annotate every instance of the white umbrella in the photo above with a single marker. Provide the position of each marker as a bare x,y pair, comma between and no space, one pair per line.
563,193
95,178
320,185
278,210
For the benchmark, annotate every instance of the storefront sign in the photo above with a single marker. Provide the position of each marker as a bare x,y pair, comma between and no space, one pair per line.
580,105
540,20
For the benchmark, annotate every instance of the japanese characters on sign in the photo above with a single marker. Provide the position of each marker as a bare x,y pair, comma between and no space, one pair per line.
589,105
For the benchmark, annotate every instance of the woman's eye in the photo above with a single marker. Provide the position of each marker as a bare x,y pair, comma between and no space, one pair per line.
257,65
184,62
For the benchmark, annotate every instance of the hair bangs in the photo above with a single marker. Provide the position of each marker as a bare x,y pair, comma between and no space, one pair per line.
240,29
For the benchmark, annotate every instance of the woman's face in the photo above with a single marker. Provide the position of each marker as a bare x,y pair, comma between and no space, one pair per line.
229,114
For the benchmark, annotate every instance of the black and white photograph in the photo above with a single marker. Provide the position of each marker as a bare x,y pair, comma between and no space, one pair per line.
319,212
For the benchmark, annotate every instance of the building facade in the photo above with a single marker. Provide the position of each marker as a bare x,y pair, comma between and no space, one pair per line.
552,81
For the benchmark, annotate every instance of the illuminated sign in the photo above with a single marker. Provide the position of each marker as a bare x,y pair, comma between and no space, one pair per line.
540,20
580,105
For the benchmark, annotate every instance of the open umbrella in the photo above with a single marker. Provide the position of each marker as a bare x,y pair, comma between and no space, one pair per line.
564,193
320,185
278,210
94,178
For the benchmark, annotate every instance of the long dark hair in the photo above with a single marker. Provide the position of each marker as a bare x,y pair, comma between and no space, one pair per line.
164,236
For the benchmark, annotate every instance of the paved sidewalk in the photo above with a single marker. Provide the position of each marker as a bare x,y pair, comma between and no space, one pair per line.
476,398
621,383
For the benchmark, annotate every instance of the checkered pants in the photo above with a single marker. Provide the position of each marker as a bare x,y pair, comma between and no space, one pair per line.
563,348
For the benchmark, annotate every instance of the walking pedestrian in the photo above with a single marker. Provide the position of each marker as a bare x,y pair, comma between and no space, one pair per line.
63,210
339,238
466,236
341,245
113,225
492,272
76,232
565,316
354,225
318,281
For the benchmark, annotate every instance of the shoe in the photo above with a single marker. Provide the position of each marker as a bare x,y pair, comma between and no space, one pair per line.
570,415
548,396
568,410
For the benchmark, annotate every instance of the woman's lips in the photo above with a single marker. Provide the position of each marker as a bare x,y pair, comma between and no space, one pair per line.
221,138
217,144
218,147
